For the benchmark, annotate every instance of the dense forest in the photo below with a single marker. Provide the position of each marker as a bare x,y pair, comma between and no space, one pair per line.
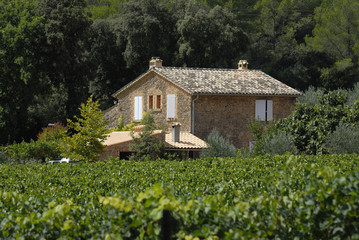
55,54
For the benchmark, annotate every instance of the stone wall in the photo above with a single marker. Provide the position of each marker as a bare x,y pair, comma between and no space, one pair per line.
152,84
232,114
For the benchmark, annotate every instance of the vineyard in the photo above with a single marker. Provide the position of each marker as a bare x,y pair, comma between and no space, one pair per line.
267,197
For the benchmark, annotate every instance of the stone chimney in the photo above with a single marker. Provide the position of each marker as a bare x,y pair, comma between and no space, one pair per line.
176,127
242,65
155,62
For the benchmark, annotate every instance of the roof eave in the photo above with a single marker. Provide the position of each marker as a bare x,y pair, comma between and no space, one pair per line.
250,94
152,70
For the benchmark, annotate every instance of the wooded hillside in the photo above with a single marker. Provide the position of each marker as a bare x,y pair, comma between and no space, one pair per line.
54,54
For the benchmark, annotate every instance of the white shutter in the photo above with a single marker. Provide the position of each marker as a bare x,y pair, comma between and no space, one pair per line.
171,106
269,110
260,113
138,108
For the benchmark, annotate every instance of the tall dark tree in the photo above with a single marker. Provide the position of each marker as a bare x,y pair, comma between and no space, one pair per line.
21,39
146,28
108,69
278,42
209,37
67,27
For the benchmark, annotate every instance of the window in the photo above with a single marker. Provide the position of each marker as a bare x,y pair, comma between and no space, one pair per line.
150,102
264,110
154,102
158,103
171,106
138,108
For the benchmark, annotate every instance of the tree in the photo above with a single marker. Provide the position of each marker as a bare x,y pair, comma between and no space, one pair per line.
145,145
277,45
21,40
102,9
108,70
66,29
218,146
336,34
209,38
310,125
145,27
90,132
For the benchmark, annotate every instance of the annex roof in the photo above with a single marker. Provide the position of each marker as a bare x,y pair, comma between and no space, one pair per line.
218,81
187,140
118,137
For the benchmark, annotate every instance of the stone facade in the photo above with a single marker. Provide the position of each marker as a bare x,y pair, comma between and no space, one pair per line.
152,84
223,99
231,115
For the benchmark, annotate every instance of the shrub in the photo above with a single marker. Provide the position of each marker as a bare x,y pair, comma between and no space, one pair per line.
345,139
119,126
145,145
52,133
278,143
218,146
353,95
310,125
33,151
4,158
311,96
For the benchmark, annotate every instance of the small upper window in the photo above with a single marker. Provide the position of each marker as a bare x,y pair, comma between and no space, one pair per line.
158,103
150,102
154,102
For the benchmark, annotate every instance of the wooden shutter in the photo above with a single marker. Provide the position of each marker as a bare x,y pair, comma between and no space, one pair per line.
158,102
171,106
269,110
150,102
138,108
260,113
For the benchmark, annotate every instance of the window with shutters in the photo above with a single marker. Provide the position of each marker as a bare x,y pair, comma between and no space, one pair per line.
138,108
158,102
154,102
150,102
171,106
264,110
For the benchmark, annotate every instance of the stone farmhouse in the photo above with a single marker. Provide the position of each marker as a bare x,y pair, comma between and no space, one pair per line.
201,99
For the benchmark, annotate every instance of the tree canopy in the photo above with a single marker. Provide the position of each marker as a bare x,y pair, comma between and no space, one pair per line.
55,54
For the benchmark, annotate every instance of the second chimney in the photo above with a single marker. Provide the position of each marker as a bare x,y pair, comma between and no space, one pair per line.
176,127
242,65
155,62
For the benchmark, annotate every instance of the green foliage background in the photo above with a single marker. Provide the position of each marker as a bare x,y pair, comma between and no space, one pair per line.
54,54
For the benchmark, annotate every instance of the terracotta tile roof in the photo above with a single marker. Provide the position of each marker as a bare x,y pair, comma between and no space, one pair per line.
225,81
187,141
220,81
122,137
